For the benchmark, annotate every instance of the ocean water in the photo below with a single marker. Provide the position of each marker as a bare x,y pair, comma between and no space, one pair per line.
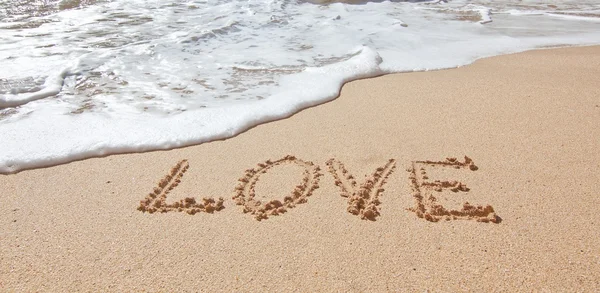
87,78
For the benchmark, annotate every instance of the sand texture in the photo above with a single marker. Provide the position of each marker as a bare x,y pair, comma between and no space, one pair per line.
484,177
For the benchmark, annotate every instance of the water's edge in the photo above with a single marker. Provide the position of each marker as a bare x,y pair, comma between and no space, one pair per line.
14,167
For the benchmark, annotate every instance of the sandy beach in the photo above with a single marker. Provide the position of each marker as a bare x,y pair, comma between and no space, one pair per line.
364,193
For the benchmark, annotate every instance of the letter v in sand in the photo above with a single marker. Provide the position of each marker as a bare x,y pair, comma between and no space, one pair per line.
364,199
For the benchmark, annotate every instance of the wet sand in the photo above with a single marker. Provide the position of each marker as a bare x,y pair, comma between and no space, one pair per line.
365,193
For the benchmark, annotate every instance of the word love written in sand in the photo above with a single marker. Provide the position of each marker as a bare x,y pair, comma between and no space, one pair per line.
363,198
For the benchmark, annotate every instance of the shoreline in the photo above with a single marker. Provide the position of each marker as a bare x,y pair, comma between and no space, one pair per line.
7,167
528,121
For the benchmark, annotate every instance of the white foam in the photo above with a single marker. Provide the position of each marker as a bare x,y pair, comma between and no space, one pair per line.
575,17
84,136
19,96
485,14
136,75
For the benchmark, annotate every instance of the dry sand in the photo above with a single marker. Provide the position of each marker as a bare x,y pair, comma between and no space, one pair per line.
530,122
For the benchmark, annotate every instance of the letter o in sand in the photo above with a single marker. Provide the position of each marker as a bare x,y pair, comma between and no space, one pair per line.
245,193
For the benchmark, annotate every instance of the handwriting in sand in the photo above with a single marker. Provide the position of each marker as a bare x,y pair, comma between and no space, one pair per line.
363,197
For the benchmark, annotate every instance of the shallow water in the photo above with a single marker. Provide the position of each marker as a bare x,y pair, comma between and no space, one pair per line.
87,78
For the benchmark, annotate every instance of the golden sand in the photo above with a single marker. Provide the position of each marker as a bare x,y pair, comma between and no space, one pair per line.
478,178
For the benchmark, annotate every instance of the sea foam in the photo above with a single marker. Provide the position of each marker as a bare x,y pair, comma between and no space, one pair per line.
132,76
